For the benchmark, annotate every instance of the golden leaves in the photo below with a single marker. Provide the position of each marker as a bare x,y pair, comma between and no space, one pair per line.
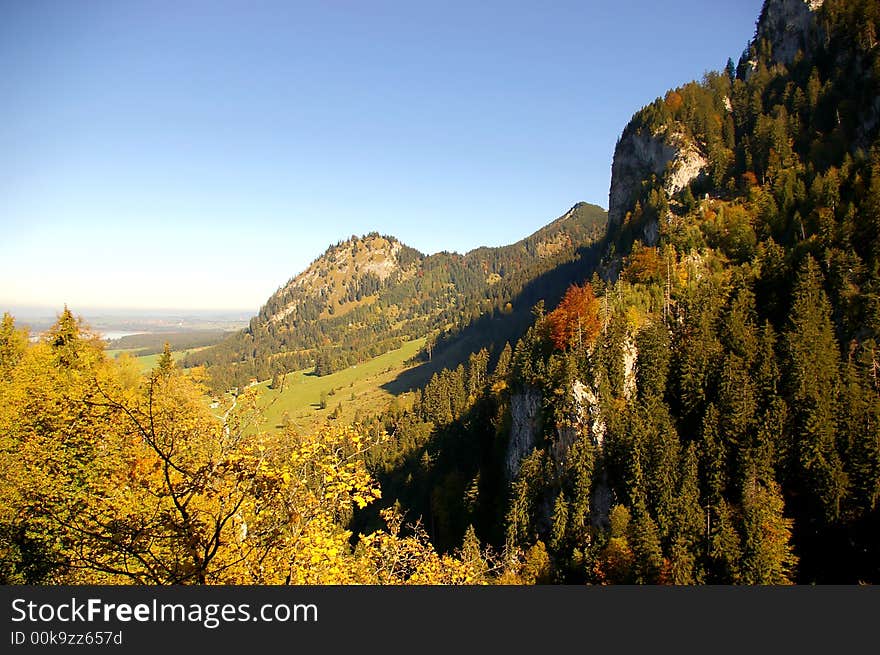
129,478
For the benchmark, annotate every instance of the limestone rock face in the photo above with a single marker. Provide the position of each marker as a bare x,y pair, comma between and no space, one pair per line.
585,421
667,153
640,153
789,26
525,414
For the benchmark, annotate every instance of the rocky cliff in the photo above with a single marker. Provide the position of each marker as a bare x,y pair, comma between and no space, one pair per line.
525,415
640,153
584,422
667,152
788,26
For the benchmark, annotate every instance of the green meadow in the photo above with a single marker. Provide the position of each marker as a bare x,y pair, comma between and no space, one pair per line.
347,391
356,389
148,362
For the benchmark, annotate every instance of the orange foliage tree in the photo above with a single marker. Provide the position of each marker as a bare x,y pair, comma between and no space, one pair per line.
644,266
674,101
575,322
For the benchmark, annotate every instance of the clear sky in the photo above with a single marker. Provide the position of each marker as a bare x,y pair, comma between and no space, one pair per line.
199,154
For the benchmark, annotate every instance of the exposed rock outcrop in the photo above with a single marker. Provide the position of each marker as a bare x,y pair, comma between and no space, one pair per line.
667,154
590,411
585,421
789,26
525,423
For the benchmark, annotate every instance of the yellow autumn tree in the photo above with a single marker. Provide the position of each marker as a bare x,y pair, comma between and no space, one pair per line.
114,477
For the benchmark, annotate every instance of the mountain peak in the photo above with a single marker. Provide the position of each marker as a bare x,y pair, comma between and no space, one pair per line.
348,273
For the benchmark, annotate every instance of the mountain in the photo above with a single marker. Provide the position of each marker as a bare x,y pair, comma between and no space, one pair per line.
735,383
366,295
707,409
802,95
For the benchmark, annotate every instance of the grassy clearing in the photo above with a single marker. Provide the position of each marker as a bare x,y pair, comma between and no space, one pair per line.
355,388
148,362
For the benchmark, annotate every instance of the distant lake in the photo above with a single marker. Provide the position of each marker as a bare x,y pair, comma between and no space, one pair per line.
115,334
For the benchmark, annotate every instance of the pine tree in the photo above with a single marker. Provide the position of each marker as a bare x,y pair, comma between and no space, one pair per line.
560,522
609,355
768,557
581,460
502,368
813,359
765,370
662,451
13,343
713,456
471,556
688,529
166,362
477,373
645,539
725,547
652,365
698,350
859,424
736,411
65,339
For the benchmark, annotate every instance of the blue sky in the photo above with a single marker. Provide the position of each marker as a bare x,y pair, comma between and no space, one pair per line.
199,154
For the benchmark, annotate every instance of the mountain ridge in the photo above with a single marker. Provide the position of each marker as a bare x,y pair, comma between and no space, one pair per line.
366,294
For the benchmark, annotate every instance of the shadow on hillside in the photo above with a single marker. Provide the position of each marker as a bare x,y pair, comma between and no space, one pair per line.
418,376
493,330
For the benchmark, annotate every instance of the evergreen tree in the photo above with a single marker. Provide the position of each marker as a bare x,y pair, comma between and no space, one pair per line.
502,368
165,364
647,551
65,339
652,365
13,343
471,555
581,460
725,547
813,386
688,530
713,457
737,406
768,557
859,425
560,522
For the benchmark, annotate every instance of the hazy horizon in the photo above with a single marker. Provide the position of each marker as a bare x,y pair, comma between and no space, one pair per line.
25,311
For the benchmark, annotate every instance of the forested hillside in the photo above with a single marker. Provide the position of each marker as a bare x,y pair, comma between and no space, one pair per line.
706,409
367,295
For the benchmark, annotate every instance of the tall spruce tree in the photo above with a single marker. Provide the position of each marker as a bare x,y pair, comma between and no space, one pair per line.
768,556
813,387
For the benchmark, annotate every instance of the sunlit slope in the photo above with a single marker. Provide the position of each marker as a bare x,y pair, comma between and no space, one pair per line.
356,390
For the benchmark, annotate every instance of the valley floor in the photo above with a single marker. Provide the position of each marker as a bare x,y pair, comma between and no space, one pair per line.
360,390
